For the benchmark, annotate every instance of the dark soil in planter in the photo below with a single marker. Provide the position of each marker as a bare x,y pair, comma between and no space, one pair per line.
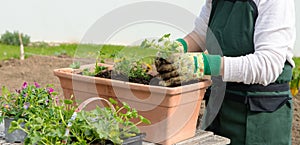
150,80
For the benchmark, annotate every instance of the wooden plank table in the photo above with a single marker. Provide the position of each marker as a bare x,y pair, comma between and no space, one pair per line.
201,138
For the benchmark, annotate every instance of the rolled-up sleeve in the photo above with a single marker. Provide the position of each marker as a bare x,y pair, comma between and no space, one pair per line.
274,38
201,22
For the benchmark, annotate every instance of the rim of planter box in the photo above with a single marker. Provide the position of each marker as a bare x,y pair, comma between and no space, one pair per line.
68,73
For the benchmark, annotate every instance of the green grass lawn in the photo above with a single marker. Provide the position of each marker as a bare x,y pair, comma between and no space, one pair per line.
80,51
8,51
72,50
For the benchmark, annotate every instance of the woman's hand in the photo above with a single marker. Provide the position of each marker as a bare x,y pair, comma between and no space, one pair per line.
180,68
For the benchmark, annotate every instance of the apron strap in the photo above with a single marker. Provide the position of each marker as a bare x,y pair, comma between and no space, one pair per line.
257,87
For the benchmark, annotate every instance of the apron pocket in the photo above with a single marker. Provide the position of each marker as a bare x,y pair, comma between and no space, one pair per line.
266,103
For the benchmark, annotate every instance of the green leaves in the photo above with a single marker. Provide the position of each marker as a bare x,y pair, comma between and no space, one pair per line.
144,120
112,101
87,72
46,125
20,103
124,116
75,65
135,63
98,69
103,122
68,102
126,106
164,46
5,91
13,125
46,121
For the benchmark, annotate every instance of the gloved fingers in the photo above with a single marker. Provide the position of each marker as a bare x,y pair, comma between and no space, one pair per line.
159,61
171,82
168,75
171,58
166,68
176,81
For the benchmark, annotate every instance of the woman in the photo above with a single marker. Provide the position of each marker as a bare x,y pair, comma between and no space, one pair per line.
256,38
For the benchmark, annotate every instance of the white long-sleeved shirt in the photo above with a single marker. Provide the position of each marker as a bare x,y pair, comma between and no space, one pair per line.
274,39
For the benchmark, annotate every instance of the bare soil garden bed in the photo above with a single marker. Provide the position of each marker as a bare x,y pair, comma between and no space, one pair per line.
40,69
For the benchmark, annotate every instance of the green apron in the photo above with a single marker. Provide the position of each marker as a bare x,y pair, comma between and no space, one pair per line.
250,114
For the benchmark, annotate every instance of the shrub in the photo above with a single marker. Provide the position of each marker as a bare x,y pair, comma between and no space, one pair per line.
12,38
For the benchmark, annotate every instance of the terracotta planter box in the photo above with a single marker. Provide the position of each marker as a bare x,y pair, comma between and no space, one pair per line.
173,112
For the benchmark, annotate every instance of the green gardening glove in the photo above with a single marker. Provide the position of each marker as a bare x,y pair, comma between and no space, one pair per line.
180,46
180,68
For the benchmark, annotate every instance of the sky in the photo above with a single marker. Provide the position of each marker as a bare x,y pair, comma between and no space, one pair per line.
82,21
65,20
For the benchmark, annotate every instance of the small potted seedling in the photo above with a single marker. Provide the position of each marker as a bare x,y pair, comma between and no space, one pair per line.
63,123
17,105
